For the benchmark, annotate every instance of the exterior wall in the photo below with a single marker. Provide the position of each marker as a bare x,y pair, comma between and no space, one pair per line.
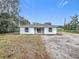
46,31
22,31
33,31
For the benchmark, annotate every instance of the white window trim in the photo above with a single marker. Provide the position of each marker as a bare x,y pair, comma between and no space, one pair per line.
27,29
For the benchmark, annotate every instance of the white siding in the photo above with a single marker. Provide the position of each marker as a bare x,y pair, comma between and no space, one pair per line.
46,31
22,30
31,31
55,30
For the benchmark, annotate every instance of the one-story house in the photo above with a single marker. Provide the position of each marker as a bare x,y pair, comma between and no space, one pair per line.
38,29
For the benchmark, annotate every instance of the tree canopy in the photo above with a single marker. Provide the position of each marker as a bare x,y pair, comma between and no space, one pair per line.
9,23
72,25
24,21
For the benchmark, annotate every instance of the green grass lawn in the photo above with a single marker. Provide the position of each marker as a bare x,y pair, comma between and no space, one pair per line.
66,31
60,30
22,47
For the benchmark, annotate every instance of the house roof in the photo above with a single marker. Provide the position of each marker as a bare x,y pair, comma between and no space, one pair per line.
39,25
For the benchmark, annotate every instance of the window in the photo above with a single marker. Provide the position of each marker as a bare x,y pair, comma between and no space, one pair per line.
26,30
50,29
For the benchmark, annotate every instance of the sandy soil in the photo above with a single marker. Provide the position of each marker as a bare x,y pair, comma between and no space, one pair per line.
64,46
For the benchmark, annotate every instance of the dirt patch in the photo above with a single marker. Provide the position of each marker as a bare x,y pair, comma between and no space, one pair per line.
22,47
62,47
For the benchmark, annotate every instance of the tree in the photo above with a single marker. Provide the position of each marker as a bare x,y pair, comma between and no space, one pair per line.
65,25
36,23
6,26
24,21
9,10
10,6
74,22
7,23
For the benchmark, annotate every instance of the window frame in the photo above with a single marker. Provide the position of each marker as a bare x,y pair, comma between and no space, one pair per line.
26,29
50,29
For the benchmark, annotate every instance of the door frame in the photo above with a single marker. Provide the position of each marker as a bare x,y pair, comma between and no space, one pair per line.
39,30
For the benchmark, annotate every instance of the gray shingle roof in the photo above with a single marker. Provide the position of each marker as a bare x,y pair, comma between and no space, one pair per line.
39,25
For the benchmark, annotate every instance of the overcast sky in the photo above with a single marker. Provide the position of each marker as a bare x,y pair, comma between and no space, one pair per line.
53,11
